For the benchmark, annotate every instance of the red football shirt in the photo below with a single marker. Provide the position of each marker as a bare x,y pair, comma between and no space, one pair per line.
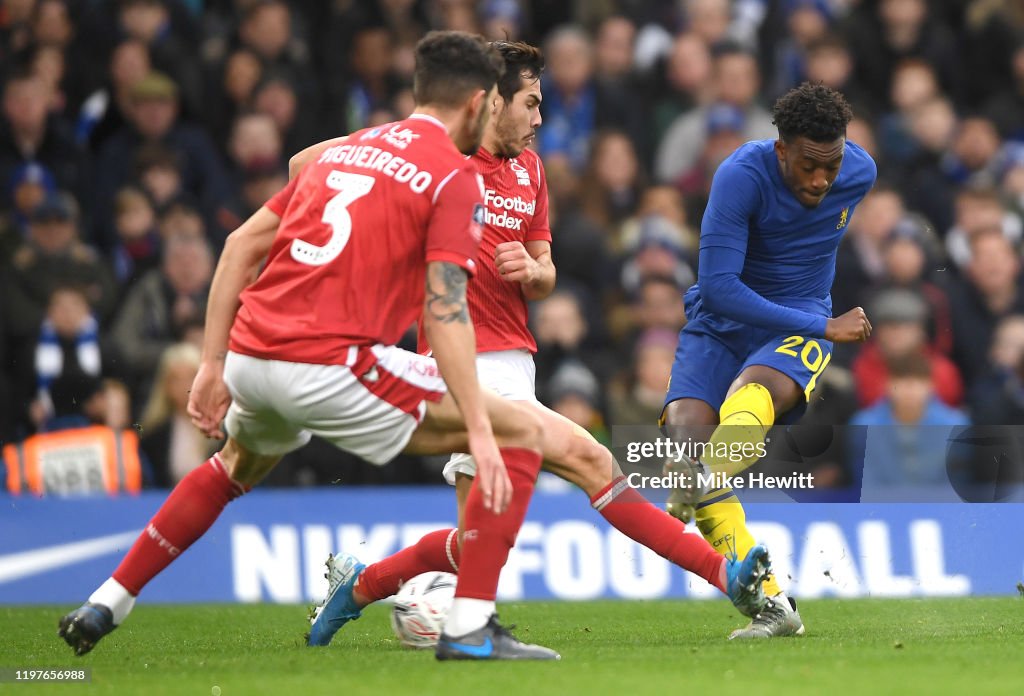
516,210
358,227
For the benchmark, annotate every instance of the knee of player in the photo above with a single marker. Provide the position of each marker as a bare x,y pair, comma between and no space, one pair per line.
596,465
530,426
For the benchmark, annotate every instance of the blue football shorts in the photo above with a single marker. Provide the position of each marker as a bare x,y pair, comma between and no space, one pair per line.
713,351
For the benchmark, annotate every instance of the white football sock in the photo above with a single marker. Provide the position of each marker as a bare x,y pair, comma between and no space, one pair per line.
467,615
113,596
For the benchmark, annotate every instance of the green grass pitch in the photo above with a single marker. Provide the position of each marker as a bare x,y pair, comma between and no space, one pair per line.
958,646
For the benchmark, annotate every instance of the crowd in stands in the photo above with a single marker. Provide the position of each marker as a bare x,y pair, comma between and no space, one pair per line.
136,134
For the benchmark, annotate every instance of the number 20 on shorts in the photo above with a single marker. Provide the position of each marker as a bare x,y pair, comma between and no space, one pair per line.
812,356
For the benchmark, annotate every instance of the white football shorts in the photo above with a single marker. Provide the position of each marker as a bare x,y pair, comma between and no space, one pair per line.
369,406
512,375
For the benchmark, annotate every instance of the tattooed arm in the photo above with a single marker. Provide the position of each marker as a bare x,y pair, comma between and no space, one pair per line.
450,334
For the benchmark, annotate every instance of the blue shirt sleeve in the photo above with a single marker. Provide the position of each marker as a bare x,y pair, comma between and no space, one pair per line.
735,199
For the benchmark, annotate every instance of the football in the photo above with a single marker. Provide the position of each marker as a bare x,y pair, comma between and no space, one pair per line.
421,607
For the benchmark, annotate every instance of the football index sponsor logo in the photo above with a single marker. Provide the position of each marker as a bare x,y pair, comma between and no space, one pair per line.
508,205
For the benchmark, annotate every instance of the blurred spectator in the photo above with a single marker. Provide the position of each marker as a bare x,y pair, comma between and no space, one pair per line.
991,290
575,393
807,22
830,62
137,250
232,88
663,202
277,97
709,19
610,188
638,397
158,172
15,26
724,133
564,332
570,101
173,445
29,134
154,120
991,51
884,33
76,453
53,34
260,181
908,254
1006,107
972,159
736,82
255,152
68,342
580,247
53,255
371,84
979,210
860,131
254,140
656,303
618,87
658,252
162,304
997,398
168,35
860,260
29,186
180,219
899,317
907,432
913,84
1011,183
106,111
687,74
502,20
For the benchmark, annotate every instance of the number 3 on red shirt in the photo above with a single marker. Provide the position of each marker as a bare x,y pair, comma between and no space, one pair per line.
350,187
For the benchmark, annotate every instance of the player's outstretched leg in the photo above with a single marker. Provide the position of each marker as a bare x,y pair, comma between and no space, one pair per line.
84,627
189,511
745,579
492,642
340,606
350,591
487,539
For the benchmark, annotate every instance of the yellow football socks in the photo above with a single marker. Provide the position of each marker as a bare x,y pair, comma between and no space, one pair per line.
737,443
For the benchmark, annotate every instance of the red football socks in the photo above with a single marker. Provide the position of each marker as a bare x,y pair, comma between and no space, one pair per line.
191,509
488,537
635,516
436,551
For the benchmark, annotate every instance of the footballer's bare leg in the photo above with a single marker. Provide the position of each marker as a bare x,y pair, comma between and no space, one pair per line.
571,453
189,511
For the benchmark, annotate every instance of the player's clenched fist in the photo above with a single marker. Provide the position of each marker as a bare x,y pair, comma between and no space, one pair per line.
850,327
514,262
